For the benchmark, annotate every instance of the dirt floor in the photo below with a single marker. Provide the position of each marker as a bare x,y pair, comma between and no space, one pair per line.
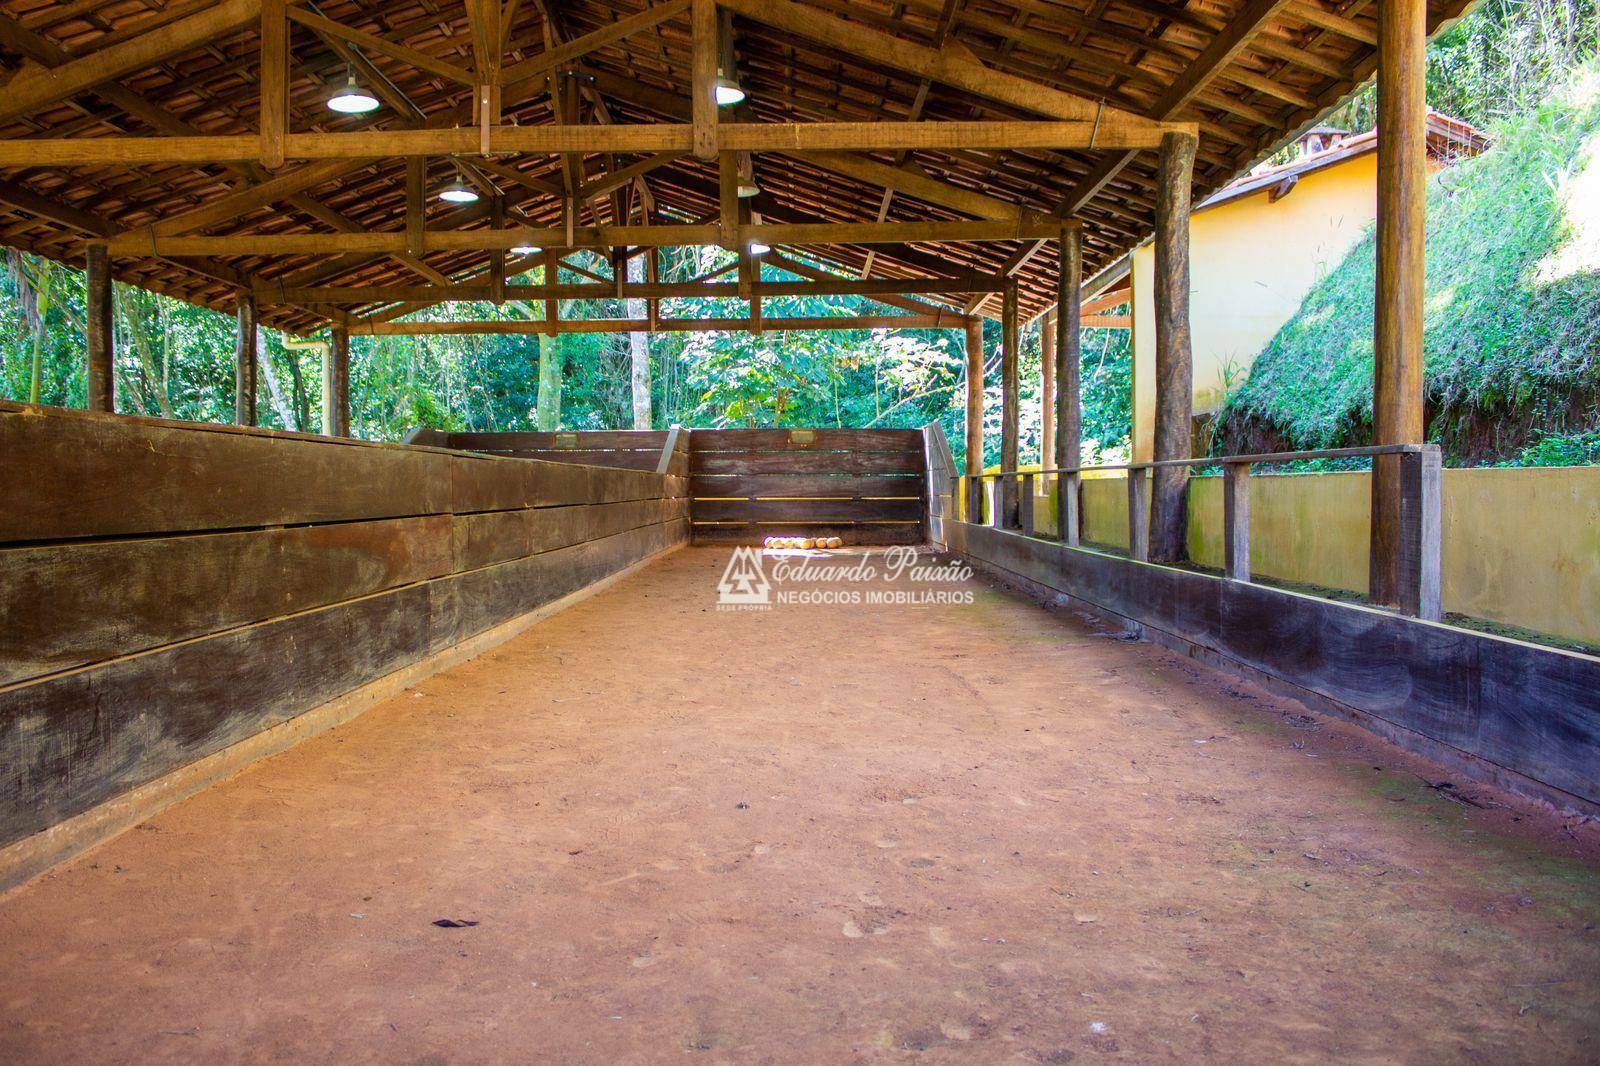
824,832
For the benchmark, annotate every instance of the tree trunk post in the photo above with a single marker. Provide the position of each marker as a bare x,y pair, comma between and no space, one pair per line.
974,395
1009,408
1068,453
99,334
336,385
244,363
1047,389
1397,416
1174,432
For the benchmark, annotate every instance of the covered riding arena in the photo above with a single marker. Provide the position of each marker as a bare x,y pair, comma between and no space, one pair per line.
536,746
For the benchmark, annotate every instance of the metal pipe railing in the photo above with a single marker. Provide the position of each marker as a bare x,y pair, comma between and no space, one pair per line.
1420,509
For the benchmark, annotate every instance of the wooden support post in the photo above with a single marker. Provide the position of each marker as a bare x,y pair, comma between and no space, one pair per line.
552,306
1025,506
244,363
975,500
1010,407
653,275
974,395
1421,475
1139,514
336,385
416,203
1047,389
1174,430
1397,412
1236,521
704,26
99,335
1068,453
273,123
1069,508
497,256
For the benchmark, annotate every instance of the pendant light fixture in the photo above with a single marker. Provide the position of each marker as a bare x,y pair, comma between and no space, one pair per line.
350,98
458,192
728,92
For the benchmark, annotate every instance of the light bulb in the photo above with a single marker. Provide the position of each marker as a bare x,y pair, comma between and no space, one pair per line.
527,249
728,92
758,248
457,192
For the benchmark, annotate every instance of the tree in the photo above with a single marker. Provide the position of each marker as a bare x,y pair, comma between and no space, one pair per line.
550,370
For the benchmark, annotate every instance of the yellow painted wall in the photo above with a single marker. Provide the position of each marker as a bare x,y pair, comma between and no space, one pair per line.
1520,546
1251,264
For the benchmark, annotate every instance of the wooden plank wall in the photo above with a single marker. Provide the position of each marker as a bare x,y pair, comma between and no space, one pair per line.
865,486
168,589
1480,701
631,449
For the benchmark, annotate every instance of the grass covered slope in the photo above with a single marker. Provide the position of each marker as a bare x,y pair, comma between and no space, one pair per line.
1512,341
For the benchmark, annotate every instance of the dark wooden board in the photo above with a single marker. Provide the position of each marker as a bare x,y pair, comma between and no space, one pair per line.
852,535
804,485
539,440
64,605
496,536
890,440
808,510
76,739
628,460
1530,709
806,462
71,474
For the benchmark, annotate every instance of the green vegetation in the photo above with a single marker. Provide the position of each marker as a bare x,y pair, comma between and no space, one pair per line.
1513,298
176,361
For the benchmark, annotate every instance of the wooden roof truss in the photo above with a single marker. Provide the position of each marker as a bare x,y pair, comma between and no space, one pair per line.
924,151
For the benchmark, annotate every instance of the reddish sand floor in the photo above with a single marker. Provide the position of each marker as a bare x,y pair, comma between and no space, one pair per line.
827,833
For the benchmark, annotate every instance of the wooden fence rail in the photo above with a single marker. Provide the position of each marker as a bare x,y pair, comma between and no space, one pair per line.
1420,585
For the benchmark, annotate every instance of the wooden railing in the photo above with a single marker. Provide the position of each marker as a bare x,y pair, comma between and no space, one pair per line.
1420,509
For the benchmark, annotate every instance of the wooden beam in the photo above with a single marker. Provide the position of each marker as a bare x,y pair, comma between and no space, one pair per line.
1217,55
1174,424
483,19
909,181
150,242
565,54
704,28
274,83
244,363
1236,521
1397,400
275,293
366,145
373,43
33,89
98,334
610,182
504,327
949,65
